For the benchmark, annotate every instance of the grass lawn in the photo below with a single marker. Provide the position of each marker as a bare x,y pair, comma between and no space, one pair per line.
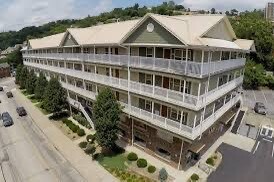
24,91
118,161
41,109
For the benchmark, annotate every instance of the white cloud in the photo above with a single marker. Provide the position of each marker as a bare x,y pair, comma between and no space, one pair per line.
20,13
222,5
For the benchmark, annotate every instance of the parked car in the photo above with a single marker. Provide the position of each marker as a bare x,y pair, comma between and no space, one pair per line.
7,120
21,111
260,108
1,88
9,94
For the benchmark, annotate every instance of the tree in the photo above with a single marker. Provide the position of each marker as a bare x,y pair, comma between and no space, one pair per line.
18,73
234,12
163,175
253,26
54,97
23,77
40,86
31,82
254,75
107,115
213,11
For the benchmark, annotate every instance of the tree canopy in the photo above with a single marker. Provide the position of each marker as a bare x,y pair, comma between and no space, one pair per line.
40,86
55,97
106,118
30,82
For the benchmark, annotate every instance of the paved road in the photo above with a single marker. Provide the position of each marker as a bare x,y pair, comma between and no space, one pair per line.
25,152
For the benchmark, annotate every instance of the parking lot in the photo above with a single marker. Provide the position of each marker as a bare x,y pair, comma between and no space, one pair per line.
250,97
242,166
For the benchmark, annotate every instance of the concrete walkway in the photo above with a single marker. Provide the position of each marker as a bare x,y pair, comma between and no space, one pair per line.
89,169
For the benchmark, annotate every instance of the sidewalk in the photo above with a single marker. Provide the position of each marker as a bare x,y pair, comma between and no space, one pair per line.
89,169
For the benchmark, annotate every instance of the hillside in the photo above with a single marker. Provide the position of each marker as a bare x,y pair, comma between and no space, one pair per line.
16,37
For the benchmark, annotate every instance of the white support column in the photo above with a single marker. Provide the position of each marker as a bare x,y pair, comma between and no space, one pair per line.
153,82
110,71
184,91
186,61
181,120
229,55
199,92
128,72
202,62
221,52
195,120
132,135
181,151
109,53
152,108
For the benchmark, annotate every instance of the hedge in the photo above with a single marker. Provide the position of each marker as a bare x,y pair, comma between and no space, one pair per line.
81,120
141,163
81,132
210,161
90,149
194,177
90,138
83,144
151,169
132,156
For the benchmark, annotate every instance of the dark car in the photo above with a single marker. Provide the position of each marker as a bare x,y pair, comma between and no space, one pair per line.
9,94
260,108
21,111
7,120
1,88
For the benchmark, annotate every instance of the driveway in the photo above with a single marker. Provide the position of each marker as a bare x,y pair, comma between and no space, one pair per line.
241,166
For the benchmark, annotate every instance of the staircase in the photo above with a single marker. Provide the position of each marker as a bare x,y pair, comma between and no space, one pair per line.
79,106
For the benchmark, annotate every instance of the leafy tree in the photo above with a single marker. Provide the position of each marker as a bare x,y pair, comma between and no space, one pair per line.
18,73
23,77
54,97
31,82
254,75
40,86
163,175
253,26
107,115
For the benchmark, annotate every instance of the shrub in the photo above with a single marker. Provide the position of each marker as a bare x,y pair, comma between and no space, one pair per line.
132,156
210,161
83,144
59,115
73,127
81,120
163,175
90,149
141,163
81,132
90,138
151,169
194,177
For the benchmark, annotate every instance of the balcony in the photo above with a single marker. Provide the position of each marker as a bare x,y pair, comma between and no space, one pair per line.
190,68
174,97
159,121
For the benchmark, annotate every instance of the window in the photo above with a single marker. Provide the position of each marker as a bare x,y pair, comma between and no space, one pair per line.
222,80
116,51
148,79
148,105
106,50
175,84
89,86
174,114
107,71
230,77
86,50
149,52
178,54
87,68
233,55
96,50
225,55
157,109
185,117
188,87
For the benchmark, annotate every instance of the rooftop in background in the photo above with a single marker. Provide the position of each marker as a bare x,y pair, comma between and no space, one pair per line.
269,11
4,65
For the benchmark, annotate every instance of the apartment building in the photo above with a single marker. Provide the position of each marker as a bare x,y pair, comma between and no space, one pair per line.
174,76
269,12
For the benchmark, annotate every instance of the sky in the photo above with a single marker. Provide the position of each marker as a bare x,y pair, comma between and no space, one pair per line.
16,14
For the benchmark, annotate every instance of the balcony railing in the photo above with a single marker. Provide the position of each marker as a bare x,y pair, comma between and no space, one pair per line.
159,121
191,68
167,95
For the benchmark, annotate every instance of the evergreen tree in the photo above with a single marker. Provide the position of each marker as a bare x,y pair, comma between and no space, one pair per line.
18,73
107,115
31,82
163,175
23,77
40,86
55,97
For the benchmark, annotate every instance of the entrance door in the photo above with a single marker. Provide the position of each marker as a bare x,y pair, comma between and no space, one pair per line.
266,132
164,111
166,82
167,53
